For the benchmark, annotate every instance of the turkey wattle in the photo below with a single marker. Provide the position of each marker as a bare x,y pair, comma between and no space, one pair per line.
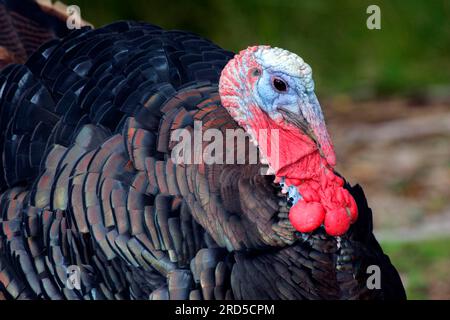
267,89
87,178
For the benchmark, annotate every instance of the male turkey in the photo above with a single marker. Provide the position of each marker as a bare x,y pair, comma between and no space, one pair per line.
89,180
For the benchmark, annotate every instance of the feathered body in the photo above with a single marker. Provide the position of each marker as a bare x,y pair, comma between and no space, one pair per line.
88,180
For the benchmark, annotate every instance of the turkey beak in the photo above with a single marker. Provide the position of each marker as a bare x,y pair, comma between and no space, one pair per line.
308,117
312,113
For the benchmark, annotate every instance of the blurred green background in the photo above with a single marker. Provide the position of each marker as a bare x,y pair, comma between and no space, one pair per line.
410,52
401,73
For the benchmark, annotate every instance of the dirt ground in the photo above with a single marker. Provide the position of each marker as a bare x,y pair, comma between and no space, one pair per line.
399,151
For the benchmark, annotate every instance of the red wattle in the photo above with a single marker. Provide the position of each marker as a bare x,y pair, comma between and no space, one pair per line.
306,216
295,157
337,222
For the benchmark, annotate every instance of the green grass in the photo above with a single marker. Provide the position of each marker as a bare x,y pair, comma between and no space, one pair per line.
408,54
425,266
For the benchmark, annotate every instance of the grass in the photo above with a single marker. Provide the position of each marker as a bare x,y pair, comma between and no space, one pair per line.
408,55
424,267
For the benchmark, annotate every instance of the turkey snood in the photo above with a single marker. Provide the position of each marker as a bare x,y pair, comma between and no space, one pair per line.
266,89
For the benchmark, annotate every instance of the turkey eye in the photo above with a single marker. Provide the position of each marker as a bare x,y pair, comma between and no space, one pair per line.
280,85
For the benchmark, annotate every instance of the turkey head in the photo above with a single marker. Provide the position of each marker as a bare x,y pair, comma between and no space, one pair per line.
270,93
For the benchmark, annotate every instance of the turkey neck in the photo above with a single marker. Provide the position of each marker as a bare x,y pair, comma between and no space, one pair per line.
296,161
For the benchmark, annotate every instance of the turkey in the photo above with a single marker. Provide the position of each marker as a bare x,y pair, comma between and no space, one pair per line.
89,180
